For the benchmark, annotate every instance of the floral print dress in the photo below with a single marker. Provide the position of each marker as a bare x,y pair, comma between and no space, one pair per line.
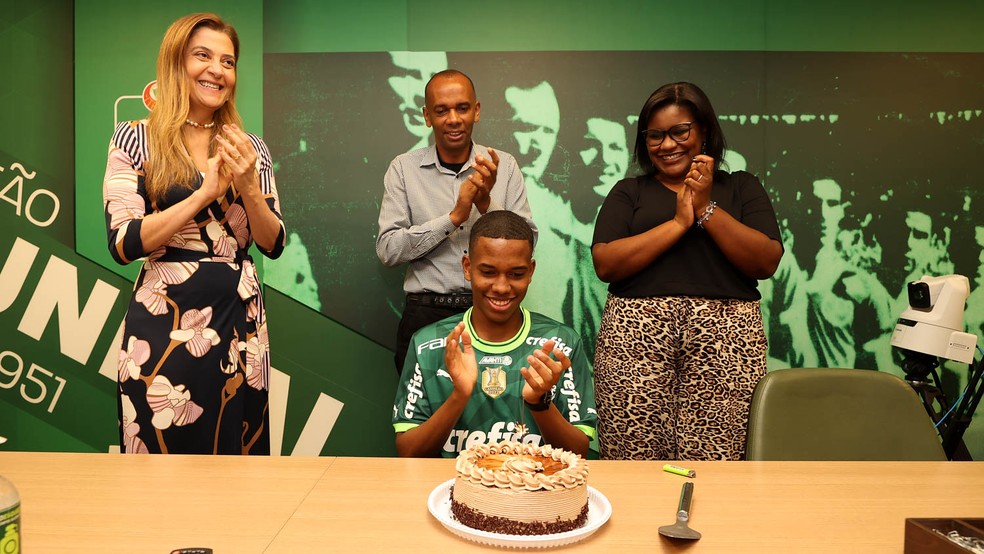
194,365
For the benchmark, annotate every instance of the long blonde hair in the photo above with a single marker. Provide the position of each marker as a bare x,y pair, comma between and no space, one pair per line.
170,162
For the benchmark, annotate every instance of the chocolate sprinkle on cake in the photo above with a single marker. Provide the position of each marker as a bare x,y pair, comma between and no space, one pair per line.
495,524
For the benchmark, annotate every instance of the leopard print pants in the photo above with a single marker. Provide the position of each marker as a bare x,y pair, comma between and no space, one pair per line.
674,377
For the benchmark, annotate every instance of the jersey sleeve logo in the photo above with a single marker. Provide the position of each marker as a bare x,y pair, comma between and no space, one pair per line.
493,381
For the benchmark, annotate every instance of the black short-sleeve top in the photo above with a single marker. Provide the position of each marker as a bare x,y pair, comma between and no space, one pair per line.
694,266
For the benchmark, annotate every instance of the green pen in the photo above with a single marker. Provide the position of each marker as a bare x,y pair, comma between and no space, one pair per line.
680,470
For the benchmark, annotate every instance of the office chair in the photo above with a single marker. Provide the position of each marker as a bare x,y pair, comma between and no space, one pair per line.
839,414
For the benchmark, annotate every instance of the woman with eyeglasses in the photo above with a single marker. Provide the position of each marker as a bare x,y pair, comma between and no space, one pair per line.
681,344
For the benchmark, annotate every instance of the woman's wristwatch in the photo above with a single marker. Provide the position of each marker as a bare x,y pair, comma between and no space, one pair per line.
544,404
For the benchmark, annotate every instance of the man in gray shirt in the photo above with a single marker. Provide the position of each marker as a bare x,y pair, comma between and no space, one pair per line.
432,197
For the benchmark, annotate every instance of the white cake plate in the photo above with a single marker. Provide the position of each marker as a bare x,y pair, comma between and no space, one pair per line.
439,504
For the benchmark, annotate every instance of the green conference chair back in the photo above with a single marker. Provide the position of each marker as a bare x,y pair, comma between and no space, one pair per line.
839,414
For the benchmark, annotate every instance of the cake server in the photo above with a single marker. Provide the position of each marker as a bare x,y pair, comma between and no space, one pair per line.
679,530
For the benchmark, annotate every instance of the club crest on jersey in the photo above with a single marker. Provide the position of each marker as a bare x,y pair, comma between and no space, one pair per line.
493,381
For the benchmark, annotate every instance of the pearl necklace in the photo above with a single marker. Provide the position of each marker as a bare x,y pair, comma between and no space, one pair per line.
208,125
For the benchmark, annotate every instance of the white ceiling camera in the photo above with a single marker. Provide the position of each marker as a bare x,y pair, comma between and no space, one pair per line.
933,323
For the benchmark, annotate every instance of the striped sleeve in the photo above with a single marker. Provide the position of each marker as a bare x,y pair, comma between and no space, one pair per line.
124,199
268,186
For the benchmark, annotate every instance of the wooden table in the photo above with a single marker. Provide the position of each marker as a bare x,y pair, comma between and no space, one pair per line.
116,503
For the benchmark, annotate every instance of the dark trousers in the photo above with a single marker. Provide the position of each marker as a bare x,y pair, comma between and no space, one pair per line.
416,315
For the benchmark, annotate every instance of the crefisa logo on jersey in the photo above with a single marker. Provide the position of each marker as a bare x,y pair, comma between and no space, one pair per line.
558,343
414,392
494,381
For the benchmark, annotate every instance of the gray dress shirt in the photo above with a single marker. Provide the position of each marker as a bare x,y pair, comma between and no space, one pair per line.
414,219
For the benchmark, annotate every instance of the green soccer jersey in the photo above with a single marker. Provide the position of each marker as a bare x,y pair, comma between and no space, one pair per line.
496,407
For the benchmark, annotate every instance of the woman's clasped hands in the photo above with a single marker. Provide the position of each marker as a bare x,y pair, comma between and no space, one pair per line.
234,162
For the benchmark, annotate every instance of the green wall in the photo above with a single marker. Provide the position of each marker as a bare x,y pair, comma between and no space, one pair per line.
511,25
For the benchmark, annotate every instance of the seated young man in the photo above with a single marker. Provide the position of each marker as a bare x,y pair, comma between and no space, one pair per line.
499,372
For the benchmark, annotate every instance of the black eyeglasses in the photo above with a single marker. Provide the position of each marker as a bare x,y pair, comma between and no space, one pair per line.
679,133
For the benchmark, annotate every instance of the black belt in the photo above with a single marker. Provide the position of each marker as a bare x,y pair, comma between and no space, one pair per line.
459,300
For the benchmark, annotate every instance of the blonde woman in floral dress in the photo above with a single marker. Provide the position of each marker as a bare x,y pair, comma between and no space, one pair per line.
190,191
